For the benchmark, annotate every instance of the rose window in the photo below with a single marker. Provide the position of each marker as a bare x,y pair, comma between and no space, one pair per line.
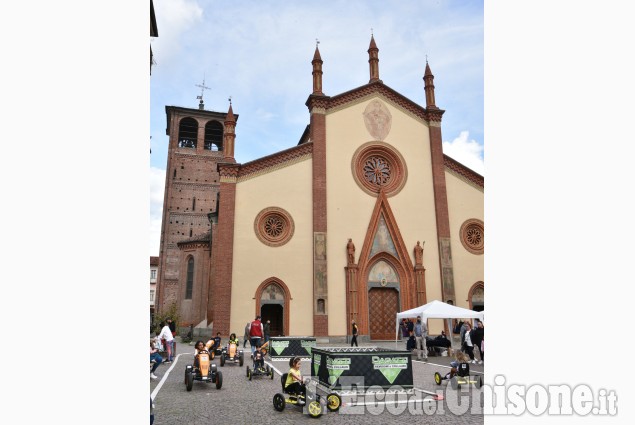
377,170
273,226
378,166
473,236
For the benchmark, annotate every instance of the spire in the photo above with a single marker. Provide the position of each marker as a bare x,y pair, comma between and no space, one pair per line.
317,70
229,135
429,87
373,60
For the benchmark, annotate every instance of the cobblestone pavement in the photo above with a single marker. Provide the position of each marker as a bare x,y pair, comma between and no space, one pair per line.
241,401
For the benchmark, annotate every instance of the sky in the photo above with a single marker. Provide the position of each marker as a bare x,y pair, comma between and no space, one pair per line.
260,52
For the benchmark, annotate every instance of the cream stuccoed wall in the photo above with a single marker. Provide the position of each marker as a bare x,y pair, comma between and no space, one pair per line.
349,209
465,202
288,188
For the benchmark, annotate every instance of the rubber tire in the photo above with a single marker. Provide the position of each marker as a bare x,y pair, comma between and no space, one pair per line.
314,408
479,382
333,402
247,372
189,381
279,402
219,380
250,375
437,378
222,360
271,373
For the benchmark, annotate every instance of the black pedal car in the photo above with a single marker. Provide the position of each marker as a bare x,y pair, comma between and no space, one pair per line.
461,377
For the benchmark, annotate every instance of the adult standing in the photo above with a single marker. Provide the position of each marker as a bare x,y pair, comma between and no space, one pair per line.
404,329
464,328
166,334
354,333
477,336
267,330
421,332
246,336
411,327
256,333
172,327
469,345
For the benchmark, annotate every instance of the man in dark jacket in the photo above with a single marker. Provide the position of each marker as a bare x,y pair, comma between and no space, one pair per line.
267,330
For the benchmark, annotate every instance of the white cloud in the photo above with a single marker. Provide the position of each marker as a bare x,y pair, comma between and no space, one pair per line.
467,152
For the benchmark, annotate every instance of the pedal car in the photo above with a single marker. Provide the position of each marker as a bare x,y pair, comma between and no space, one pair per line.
259,368
459,375
203,371
314,404
232,354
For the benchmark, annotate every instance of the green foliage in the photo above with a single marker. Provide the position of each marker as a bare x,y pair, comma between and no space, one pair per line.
172,312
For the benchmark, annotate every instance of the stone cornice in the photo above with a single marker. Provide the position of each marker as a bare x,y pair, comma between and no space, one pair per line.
275,161
464,173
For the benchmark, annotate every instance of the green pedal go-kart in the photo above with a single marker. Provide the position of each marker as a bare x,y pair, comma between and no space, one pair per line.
202,371
312,401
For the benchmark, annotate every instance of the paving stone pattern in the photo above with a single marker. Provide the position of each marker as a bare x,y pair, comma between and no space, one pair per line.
241,401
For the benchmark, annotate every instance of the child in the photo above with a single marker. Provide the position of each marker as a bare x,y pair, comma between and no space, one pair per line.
233,340
259,357
154,357
294,382
198,347
460,357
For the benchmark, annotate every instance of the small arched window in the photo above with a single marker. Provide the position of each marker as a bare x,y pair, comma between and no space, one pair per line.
190,279
188,132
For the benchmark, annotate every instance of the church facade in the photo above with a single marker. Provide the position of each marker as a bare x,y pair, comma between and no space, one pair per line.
365,217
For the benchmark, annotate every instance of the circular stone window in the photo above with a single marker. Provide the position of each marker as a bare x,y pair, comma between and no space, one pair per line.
473,235
274,226
378,166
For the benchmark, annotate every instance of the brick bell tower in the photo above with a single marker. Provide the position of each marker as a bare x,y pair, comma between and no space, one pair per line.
197,143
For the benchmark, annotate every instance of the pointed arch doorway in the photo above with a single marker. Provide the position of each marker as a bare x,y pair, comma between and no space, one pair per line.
383,282
273,304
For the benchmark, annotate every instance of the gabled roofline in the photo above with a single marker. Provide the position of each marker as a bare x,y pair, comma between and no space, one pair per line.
332,102
463,171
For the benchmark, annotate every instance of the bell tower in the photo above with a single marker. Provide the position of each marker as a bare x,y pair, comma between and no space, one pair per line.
197,143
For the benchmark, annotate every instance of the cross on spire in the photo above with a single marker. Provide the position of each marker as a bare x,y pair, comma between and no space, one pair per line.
230,100
203,87
317,42
371,32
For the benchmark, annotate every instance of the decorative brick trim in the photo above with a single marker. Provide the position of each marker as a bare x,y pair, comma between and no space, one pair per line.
275,161
274,226
287,300
472,236
390,157
464,173
402,264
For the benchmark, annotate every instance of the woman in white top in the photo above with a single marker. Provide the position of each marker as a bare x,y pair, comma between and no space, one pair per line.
469,346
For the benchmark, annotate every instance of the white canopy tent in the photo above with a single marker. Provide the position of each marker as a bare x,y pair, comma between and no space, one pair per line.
437,310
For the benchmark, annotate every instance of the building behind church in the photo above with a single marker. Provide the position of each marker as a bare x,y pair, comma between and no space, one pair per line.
363,218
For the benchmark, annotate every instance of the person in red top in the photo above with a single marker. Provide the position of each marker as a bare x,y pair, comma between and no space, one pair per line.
256,333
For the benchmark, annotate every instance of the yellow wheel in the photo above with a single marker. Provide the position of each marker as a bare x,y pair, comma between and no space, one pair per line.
315,409
333,402
437,378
